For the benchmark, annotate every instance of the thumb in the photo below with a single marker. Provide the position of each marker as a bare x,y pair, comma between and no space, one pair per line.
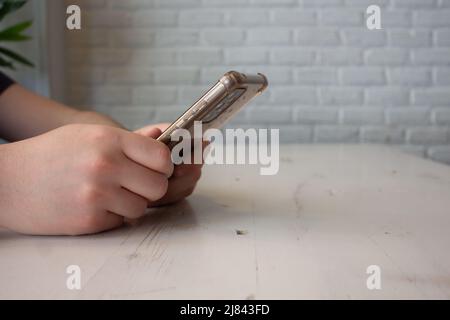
150,131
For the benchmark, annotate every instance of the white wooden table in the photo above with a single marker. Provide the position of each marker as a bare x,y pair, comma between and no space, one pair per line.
309,232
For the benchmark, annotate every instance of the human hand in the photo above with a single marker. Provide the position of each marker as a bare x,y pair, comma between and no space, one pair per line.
80,179
185,176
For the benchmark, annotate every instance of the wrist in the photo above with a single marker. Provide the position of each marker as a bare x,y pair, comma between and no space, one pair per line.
91,117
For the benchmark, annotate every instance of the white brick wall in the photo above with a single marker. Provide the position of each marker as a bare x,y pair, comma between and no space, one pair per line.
331,79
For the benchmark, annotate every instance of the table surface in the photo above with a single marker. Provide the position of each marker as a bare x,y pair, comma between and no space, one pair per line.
309,232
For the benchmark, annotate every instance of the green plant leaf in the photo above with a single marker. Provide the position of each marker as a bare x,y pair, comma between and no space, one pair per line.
8,6
16,29
6,64
14,37
15,56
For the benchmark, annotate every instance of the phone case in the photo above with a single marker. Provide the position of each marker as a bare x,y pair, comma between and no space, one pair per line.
219,104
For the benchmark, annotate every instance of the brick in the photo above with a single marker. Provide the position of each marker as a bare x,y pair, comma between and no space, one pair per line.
104,94
248,17
89,4
99,57
317,37
342,96
87,76
294,95
224,37
315,76
409,76
441,116
92,39
414,4
246,56
396,18
278,75
322,3
294,17
364,76
200,56
387,57
270,115
340,56
442,76
436,56
380,134
292,56
200,18
362,116
296,134
437,96
427,135
365,3
153,18
387,96
363,37
408,116
177,75
341,17
276,3
154,96
178,3
176,37
127,38
269,36
110,19
316,115
432,18
131,76
442,37
129,4
409,38
152,57
335,134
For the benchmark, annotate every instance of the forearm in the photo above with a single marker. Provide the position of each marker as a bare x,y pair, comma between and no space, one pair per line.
24,114
90,117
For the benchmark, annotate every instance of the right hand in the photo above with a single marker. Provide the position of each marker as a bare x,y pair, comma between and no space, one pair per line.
80,179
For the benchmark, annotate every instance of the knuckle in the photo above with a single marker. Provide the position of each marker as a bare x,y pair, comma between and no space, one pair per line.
87,223
101,134
90,195
164,156
99,165
162,184
138,208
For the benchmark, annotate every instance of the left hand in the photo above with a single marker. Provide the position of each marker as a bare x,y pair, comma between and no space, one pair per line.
184,178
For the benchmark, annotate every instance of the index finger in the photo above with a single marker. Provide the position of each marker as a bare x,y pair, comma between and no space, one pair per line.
148,152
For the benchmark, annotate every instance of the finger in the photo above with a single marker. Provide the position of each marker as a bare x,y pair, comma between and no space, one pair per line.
148,152
146,183
161,126
127,204
106,221
151,132
179,188
187,169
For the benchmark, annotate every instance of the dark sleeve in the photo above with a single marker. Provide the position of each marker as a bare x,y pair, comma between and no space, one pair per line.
5,82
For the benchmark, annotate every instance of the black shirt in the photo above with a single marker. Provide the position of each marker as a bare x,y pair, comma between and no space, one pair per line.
5,82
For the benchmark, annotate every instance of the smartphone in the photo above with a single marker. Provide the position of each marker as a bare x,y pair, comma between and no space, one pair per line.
219,104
